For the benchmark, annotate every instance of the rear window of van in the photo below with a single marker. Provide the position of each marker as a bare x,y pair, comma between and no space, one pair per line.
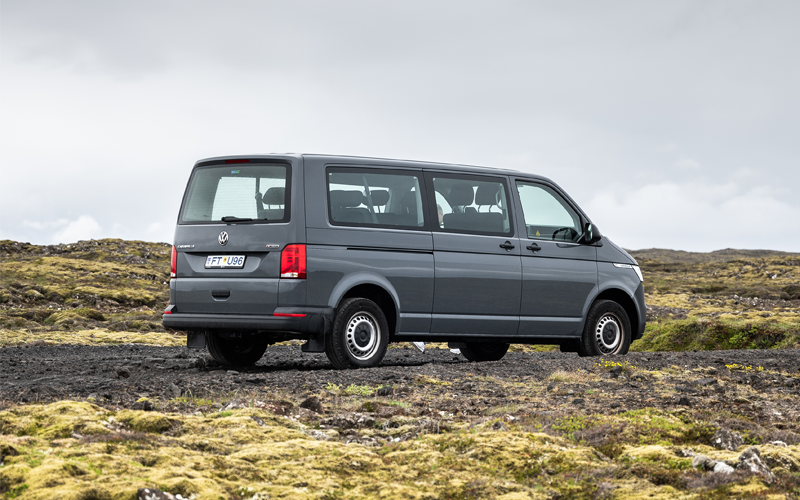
238,193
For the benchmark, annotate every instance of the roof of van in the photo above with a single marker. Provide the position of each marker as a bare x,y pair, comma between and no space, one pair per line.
363,160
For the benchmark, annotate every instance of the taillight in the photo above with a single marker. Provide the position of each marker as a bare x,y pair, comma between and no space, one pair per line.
174,271
293,262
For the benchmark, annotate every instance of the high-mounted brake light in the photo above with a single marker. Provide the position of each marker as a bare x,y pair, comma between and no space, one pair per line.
237,161
174,271
293,262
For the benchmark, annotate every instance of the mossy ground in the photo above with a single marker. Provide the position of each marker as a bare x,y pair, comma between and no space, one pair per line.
765,289
248,453
723,300
112,285
429,442
90,337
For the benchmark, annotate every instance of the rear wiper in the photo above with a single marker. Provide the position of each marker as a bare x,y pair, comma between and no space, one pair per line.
231,218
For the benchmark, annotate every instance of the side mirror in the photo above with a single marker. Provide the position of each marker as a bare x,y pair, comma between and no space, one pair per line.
591,234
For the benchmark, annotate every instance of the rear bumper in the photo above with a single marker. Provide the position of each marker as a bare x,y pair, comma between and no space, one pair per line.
316,320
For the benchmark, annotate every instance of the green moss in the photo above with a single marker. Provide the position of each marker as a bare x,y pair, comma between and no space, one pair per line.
359,390
234,457
694,334
145,421
652,426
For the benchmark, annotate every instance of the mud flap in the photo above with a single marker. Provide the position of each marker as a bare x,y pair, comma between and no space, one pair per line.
314,344
196,340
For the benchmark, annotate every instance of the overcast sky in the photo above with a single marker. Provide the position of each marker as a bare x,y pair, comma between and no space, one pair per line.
674,124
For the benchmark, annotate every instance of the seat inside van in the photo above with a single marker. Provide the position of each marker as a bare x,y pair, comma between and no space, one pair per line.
274,200
345,206
463,195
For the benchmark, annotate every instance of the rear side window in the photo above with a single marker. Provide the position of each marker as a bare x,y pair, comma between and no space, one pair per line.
242,193
472,204
547,215
378,198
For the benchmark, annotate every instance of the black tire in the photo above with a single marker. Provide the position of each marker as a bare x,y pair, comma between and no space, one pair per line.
240,352
359,337
607,331
484,351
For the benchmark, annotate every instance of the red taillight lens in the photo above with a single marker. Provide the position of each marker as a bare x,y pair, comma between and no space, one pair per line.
174,271
293,262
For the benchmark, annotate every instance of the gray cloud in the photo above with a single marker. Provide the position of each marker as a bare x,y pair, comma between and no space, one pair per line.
106,105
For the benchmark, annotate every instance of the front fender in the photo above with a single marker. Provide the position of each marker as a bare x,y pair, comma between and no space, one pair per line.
620,280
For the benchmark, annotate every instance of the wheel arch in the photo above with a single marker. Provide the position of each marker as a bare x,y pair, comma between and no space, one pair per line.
376,288
623,299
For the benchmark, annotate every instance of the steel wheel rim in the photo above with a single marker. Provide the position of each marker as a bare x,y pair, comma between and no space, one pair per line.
608,333
361,335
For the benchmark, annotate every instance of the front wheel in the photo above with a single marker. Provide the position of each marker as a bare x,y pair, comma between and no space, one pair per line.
359,337
607,331
484,351
239,350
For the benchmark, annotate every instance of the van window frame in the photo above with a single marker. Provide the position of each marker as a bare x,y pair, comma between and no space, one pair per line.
287,208
502,179
351,169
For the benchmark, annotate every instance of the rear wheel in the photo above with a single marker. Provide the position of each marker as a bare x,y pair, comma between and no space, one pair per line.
484,351
236,349
360,335
607,331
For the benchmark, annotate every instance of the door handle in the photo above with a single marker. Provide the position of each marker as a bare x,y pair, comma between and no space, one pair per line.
534,247
507,245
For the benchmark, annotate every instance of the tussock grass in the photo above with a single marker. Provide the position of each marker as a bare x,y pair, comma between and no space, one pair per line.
572,377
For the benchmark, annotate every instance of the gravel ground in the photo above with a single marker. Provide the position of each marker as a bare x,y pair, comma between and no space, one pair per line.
122,374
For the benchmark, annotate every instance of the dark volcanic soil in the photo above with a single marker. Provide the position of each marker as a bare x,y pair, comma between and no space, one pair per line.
120,375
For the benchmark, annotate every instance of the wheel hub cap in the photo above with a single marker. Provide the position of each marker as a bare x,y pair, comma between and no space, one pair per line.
362,335
608,334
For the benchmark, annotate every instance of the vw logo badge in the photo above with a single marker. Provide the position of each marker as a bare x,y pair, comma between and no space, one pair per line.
223,238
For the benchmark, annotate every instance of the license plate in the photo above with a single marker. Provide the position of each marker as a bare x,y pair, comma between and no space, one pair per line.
224,261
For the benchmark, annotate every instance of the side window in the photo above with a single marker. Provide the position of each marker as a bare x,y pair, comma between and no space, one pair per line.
367,197
547,215
471,204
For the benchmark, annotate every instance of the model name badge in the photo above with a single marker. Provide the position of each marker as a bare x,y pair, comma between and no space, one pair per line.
271,245
184,246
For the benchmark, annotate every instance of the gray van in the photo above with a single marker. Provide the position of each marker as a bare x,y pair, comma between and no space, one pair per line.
350,254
